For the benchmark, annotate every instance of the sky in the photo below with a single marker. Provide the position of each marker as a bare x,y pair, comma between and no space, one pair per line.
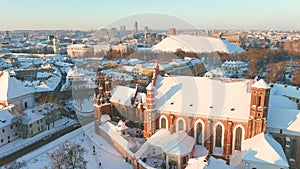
202,14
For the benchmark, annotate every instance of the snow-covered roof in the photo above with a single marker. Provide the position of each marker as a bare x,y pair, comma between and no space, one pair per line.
283,102
179,143
285,119
30,117
134,61
11,87
225,98
122,95
285,90
121,126
196,44
43,109
200,163
261,84
232,63
214,73
117,75
262,148
110,129
74,73
5,117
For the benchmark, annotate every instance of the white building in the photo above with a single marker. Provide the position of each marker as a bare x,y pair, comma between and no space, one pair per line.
234,68
8,127
13,91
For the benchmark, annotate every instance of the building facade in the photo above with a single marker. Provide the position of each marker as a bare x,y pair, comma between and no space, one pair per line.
80,50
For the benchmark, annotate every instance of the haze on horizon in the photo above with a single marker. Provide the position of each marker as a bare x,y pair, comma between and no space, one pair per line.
201,14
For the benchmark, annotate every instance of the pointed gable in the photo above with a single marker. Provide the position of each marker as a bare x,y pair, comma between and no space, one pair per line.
11,87
261,84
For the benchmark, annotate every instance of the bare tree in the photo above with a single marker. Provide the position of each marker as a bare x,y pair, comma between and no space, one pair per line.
67,156
15,165
296,78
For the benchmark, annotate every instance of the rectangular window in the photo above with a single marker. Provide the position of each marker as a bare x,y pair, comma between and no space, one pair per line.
293,149
259,101
3,130
184,160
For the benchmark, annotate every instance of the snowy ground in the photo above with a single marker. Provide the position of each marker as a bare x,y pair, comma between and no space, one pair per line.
21,143
84,105
86,137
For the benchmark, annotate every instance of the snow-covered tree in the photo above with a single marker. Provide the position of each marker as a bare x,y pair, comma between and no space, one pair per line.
68,156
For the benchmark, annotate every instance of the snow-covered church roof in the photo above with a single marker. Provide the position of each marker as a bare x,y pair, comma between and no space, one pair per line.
11,87
122,95
196,44
262,148
225,98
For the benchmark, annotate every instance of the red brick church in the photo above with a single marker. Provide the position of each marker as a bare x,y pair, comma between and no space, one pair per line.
219,113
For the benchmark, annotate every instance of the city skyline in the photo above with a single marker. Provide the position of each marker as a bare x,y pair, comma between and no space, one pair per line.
91,14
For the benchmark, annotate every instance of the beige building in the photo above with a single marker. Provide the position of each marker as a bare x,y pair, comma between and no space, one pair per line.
80,50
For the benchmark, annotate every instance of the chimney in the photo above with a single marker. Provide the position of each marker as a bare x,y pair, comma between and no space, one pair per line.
132,101
136,103
141,105
100,90
155,74
107,87
172,128
264,129
137,90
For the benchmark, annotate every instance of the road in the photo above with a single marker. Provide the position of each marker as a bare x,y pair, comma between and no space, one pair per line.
25,150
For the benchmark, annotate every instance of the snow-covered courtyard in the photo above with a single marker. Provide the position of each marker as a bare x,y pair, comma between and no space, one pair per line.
85,136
